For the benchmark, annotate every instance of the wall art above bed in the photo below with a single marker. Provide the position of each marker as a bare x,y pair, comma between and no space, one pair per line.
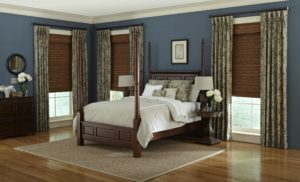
179,51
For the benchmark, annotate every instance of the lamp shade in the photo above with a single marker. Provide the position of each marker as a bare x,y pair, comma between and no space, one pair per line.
126,81
204,82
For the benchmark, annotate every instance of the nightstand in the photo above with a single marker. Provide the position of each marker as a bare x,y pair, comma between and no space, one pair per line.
209,131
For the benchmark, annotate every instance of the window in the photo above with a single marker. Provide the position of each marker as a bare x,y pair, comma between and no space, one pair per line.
246,115
60,106
120,59
116,95
60,75
246,81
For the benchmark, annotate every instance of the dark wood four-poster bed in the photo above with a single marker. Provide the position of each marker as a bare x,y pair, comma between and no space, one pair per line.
126,136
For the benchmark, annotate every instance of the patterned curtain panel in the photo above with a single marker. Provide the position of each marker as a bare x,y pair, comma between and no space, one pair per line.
274,27
221,65
79,69
41,87
137,32
103,65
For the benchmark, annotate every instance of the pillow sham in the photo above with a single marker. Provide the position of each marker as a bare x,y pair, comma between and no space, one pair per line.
164,83
159,93
148,91
183,87
170,93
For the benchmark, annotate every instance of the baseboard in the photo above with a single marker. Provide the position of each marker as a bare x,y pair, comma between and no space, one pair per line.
294,145
58,124
246,137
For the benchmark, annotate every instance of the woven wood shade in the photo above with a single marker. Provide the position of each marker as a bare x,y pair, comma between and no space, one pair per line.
60,63
246,60
120,59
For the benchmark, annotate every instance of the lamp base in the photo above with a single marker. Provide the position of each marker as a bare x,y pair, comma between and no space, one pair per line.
126,92
203,100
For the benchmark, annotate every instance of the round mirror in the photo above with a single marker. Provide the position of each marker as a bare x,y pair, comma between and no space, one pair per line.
16,64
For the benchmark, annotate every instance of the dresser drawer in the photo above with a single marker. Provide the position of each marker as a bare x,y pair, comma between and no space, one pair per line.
7,127
6,108
16,116
24,125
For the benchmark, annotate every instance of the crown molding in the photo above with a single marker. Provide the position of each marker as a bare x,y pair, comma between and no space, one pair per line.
217,4
21,10
203,6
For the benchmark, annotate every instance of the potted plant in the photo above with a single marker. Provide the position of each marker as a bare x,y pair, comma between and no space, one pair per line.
214,97
23,79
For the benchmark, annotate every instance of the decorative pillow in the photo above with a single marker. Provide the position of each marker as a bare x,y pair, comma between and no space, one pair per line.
164,83
159,93
193,96
183,87
148,91
170,93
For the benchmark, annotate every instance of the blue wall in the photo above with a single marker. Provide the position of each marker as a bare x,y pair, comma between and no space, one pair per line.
195,26
16,36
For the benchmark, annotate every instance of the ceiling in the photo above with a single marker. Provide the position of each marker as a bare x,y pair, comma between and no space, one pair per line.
93,8
100,11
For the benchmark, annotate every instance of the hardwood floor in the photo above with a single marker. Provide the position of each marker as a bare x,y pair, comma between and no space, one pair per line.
239,162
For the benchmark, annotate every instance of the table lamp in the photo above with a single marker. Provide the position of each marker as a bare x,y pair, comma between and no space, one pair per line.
203,83
126,81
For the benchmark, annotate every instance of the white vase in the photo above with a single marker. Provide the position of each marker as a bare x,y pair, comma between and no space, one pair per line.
7,92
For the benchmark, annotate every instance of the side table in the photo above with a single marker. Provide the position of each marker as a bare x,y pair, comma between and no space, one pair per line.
209,138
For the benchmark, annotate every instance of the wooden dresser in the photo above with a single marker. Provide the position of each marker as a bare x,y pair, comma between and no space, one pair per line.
16,116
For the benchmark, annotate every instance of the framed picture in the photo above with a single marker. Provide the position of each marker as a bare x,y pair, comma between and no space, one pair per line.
179,51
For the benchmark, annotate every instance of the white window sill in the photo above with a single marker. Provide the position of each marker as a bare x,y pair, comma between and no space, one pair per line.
246,137
61,123
60,119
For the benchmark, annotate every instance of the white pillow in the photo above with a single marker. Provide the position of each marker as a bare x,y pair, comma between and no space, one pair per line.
193,94
149,89
171,93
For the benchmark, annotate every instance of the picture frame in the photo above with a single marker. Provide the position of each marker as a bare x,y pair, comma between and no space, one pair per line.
179,51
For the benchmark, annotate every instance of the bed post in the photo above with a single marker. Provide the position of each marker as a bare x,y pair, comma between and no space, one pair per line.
79,128
137,150
149,61
203,58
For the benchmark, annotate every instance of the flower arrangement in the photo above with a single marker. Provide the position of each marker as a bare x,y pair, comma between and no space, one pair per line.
214,97
23,79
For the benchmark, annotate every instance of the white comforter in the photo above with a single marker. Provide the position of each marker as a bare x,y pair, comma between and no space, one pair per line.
157,114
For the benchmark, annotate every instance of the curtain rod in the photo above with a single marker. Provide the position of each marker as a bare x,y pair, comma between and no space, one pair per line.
59,26
119,27
250,12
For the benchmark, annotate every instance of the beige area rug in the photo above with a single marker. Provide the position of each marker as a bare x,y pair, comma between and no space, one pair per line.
159,158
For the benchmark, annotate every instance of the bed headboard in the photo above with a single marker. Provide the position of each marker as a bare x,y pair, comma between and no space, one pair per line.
173,75
170,75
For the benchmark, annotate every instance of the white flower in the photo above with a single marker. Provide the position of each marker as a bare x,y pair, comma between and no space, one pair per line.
217,92
209,93
218,98
23,77
29,78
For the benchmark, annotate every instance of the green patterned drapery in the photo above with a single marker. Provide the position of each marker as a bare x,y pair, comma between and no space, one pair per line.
103,65
137,32
41,87
274,27
221,68
79,69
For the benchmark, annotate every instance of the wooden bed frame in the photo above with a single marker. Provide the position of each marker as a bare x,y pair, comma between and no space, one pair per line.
124,136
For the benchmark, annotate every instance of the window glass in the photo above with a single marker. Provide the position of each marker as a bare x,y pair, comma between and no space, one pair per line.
116,95
246,114
60,105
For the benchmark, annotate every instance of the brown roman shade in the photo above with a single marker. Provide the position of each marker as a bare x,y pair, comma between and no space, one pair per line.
246,60
120,59
60,63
